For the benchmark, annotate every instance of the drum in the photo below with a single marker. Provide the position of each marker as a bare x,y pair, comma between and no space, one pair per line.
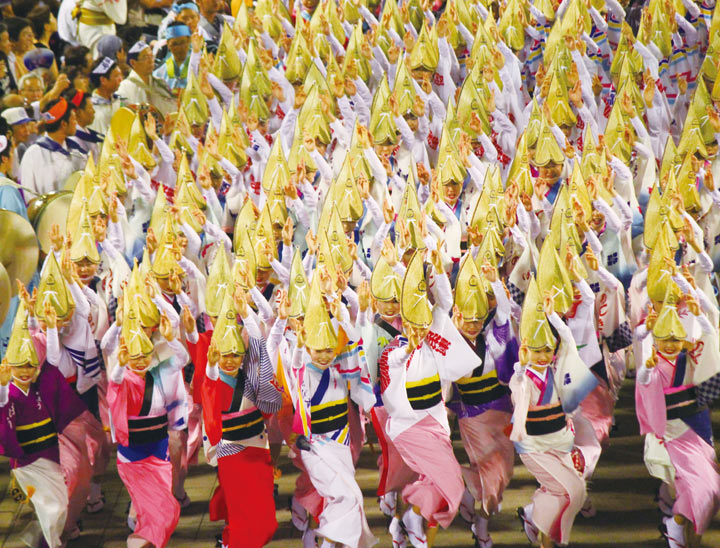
47,210
19,255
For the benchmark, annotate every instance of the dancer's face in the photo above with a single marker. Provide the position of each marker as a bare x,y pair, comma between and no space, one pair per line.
140,365
542,358
86,270
322,358
231,363
471,328
669,348
597,221
24,375
451,192
550,172
412,122
262,276
389,310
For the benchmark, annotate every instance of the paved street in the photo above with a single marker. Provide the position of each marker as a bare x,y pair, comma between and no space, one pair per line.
622,492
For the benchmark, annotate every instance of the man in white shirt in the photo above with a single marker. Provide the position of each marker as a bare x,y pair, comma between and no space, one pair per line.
48,162
141,86
22,127
105,76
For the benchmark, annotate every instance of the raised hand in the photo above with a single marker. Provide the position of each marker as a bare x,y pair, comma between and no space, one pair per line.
56,238
692,305
5,373
287,232
166,329
388,252
489,271
175,283
188,320
364,295
652,360
123,354
548,304
240,300
50,316
650,319
524,353
457,317
592,260
283,308
312,242
474,235
213,354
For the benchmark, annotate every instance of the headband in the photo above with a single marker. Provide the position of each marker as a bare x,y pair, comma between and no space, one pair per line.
177,8
57,111
137,49
77,98
3,143
104,67
177,31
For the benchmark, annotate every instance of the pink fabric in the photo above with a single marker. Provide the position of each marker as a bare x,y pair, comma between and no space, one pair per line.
598,407
149,483
561,493
77,469
103,407
194,433
99,448
40,342
491,455
275,432
394,473
356,431
650,400
586,441
128,393
178,450
697,482
305,493
426,449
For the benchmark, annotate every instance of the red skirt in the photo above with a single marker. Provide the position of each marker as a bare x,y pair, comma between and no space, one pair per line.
244,498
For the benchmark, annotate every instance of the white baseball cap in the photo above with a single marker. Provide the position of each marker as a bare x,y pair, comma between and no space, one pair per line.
16,115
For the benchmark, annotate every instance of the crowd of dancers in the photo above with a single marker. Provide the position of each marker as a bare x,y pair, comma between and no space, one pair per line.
300,224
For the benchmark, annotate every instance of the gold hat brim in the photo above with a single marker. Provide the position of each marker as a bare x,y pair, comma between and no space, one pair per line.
19,258
121,123
72,180
5,293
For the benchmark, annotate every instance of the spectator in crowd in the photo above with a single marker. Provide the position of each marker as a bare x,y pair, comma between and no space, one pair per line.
105,78
141,86
21,129
49,161
77,56
21,41
7,82
173,70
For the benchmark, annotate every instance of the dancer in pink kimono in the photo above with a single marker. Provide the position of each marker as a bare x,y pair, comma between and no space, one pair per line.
431,352
667,406
482,399
549,383
147,398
